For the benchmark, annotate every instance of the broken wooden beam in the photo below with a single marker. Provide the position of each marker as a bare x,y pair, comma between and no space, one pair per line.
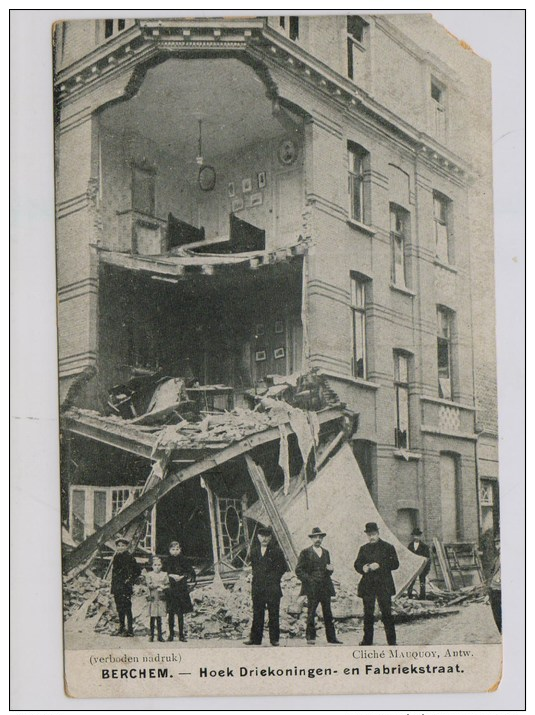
108,432
155,493
328,451
277,522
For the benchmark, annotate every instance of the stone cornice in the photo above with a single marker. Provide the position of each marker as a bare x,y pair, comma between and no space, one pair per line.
150,38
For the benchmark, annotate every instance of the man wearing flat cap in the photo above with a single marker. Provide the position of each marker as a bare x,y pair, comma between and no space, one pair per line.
375,562
268,565
418,547
124,571
314,571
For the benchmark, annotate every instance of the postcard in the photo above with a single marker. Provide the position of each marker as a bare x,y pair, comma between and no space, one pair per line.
315,512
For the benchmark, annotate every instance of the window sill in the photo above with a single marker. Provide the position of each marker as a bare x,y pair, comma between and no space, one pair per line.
361,226
447,403
352,380
402,289
407,455
446,266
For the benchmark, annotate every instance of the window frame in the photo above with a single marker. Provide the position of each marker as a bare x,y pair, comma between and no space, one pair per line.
398,244
357,177
439,107
358,305
290,26
355,42
402,385
445,222
112,27
113,505
445,341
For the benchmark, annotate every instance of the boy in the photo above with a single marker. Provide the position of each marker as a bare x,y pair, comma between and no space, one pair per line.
178,599
125,570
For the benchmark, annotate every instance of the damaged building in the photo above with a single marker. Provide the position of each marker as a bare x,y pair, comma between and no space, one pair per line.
272,251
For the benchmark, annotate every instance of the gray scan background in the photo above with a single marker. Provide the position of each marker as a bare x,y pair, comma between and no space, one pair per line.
36,628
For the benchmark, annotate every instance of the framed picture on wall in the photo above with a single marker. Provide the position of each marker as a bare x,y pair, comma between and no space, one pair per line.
246,185
231,189
255,200
259,330
279,326
237,204
260,355
261,177
279,353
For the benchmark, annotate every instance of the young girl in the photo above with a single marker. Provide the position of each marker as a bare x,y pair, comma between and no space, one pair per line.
157,581
178,599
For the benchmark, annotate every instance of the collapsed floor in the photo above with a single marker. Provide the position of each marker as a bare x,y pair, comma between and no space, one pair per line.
331,492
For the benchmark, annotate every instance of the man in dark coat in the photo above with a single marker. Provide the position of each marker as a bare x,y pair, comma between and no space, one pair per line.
124,571
268,564
314,571
177,596
417,546
376,561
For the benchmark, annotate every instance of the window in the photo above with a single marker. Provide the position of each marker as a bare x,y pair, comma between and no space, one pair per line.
401,385
112,27
290,26
444,353
358,315
294,28
438,95
91,507
442,216
399,220
99,508
356,33
358,163
78,515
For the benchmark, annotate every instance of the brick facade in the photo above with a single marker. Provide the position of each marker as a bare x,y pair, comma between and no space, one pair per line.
417,148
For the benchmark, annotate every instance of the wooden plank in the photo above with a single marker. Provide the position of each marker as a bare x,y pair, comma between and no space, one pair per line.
327,452
106,434
213,525
277,522
444,566
153,495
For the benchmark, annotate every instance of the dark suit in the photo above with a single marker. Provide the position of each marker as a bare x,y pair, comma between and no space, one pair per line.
125,570
266,589
317,586
377,586
421,550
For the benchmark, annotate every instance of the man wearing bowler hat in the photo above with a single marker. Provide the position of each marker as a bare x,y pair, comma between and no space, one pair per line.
417,546
314,571
268,564
375,561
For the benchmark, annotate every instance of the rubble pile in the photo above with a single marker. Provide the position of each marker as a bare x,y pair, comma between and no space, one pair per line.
225,612
215,429
217,611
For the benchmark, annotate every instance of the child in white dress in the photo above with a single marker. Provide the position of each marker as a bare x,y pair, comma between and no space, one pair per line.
157,581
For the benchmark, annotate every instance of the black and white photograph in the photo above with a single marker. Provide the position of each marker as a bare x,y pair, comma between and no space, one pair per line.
278,430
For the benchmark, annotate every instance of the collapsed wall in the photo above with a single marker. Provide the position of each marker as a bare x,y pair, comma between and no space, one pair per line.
338,501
